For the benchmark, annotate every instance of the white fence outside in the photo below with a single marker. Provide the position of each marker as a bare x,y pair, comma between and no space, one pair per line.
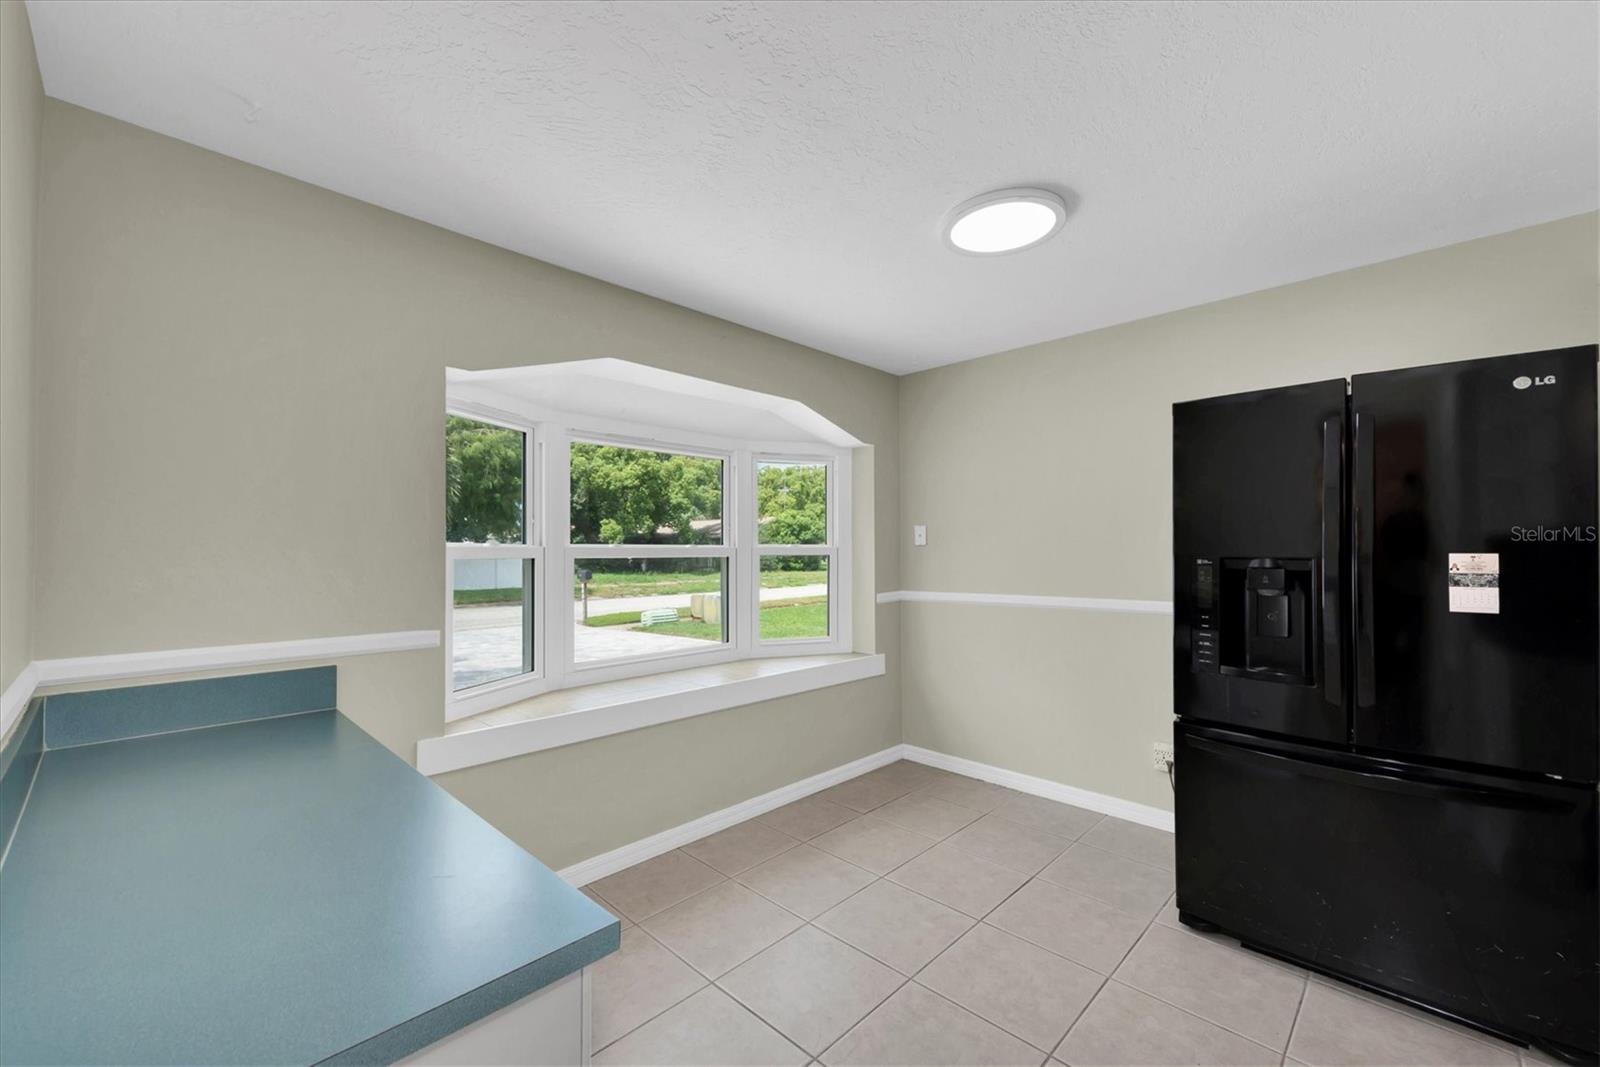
488,573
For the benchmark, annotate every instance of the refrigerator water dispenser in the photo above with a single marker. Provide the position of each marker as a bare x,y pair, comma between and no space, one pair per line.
1267,623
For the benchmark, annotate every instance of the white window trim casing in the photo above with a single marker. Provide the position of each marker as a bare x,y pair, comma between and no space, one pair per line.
835,550
590,432
495,694
548,520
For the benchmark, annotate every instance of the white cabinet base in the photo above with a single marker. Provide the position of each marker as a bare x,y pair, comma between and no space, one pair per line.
545,1029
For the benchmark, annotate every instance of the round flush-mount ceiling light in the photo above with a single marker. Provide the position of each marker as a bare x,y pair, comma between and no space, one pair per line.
1006,220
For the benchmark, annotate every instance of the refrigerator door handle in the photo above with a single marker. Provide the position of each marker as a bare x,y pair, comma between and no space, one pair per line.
1363,503
1332,548
1398,778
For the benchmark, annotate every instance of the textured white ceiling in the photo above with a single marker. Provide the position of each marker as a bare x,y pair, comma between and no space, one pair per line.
787,165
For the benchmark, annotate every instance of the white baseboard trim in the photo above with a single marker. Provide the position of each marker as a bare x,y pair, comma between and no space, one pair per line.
15,699
1143,814
222,657
620,859
1113,605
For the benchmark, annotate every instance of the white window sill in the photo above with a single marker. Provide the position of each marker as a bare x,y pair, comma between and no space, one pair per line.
568,716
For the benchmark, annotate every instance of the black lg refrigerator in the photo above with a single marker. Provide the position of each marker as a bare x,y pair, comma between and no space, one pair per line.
1387,684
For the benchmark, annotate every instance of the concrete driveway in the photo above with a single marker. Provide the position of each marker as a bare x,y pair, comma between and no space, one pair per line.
487,639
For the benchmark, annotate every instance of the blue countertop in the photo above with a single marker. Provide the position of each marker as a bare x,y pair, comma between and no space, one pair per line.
283,890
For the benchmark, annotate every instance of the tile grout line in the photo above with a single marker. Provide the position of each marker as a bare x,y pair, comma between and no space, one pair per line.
963,1008
1151,925
1076,1019
1105,979
1294,1024
716,982
705,984
977,921
876,878
1073,1025
982,920
1210,1022
639,926
1416,1014
847,1030
906,980
1047,948
1250,953
753,1014
1307,978
858,1021
1193,1015
912,978
1013,794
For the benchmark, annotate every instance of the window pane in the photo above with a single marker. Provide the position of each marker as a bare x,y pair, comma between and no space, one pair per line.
647,607
484,469
491,622
794,597
629,496
792,503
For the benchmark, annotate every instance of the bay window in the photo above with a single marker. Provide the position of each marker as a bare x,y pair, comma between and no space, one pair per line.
580,551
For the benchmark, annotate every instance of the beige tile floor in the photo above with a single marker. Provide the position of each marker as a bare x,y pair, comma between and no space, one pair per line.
912,916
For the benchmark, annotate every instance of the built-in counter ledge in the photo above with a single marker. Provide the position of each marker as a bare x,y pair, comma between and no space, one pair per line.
568,716
123,666
227,870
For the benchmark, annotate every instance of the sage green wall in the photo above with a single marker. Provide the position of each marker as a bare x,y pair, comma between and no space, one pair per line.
1047,470
240,425
21,101
21,98
238,418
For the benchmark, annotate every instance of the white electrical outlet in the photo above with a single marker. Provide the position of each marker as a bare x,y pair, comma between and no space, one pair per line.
919,535
1161,753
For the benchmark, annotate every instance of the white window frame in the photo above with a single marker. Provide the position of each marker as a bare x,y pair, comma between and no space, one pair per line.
551,435
480,698
631,666
834,549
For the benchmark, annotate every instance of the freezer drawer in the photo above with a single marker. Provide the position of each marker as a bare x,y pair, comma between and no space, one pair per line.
1468,894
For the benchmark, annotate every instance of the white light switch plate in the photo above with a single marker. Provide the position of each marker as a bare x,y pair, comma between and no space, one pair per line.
919,535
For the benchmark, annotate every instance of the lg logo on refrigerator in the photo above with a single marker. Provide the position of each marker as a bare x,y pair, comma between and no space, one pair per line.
1522,381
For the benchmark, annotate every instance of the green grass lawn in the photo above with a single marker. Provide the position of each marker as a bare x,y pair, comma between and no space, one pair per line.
617,618
685,627
465,597
795,618
644,583
663,583
790,618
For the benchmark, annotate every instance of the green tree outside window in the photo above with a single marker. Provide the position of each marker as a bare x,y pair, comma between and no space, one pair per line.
484,470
